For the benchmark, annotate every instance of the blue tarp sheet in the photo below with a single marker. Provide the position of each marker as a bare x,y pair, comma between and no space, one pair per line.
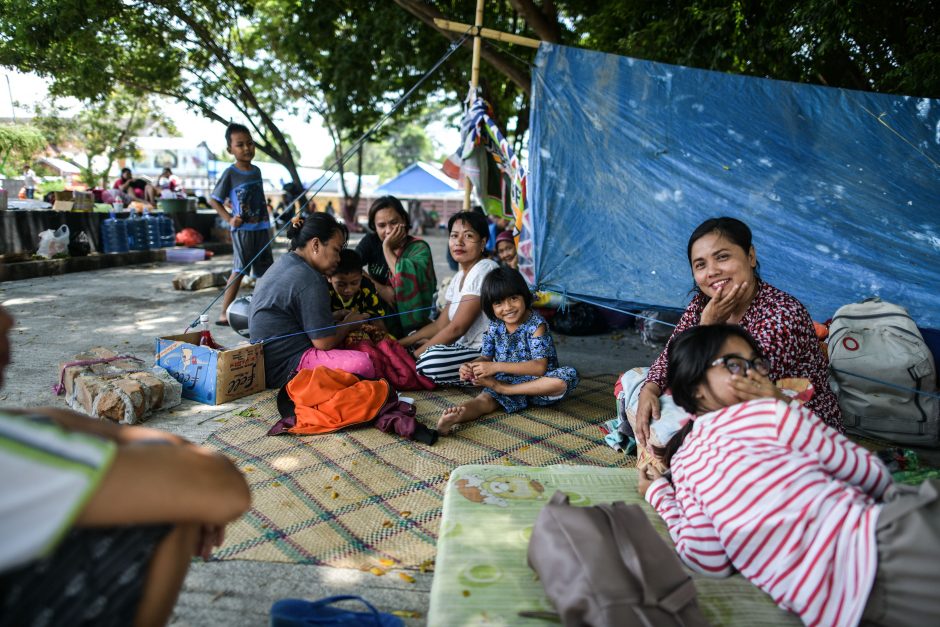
841,188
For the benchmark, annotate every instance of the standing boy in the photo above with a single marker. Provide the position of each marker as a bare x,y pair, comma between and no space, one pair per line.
241,185
29,181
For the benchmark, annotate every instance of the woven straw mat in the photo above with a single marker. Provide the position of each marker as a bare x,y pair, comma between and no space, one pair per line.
361,498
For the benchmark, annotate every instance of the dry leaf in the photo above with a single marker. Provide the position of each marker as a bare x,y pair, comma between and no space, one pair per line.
406,613
466,593
335,477
327,487
406,577
375,570
387,523
276,483
386,562
334,495
405,514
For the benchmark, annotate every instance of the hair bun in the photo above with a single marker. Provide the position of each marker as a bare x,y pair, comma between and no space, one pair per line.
297,222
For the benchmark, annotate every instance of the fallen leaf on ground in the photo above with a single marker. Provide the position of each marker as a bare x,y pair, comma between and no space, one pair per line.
406,613
387,523
466,593
386,562
406,514
375,570
406,577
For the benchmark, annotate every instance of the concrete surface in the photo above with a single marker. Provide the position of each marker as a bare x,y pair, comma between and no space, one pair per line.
125,309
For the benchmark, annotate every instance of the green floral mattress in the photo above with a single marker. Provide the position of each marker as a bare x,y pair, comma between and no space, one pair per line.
481,576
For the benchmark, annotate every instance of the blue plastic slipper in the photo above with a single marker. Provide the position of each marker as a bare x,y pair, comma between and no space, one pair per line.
298,612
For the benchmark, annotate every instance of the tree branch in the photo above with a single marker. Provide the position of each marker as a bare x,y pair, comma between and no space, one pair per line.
544,24
501,63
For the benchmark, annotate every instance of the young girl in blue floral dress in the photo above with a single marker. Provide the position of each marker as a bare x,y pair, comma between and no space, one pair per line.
518,366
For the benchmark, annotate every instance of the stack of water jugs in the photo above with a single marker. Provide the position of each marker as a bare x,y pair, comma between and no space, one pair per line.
145,232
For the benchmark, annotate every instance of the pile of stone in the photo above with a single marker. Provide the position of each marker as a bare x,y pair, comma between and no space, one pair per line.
101,383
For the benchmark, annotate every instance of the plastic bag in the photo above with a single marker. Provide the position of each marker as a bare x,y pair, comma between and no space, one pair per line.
81,246
52,243
578,319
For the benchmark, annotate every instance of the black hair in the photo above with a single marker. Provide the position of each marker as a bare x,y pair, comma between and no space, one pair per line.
731,229
388,202
500,284
318,225
691,354
232,128
349,261
123,170
474,220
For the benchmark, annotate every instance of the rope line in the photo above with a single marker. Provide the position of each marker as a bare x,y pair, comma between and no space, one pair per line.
346,156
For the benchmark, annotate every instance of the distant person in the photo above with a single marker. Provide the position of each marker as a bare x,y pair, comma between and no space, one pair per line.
506,250
330,209
100,522
29,181
241,185
131,188
417,215
169,184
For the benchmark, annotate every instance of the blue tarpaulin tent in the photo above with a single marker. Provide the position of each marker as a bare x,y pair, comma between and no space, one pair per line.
841,188
418,180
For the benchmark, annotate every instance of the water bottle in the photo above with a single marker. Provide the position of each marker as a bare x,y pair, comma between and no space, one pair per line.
167,231
137,233
114,235
151,230
118,205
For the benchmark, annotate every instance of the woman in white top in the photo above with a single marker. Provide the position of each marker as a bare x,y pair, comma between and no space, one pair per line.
447,343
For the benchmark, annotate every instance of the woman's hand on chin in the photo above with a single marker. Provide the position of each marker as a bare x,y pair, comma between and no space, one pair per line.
724,303
644,478
395,238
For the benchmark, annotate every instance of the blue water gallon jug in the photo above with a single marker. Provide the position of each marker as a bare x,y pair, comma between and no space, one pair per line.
167,231
152,226
137,233
114,235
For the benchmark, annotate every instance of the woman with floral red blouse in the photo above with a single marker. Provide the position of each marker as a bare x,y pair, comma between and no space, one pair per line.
730,291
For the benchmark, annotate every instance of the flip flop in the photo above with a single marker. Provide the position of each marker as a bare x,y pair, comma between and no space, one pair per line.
301,613
222,323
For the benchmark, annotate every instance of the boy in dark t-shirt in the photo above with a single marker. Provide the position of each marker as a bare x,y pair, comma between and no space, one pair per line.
241,185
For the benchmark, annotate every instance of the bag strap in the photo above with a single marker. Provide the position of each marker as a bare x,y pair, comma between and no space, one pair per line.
347,597
627,551
673,601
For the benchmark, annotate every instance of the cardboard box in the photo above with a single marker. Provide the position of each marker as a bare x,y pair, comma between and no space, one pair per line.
62,205
210,376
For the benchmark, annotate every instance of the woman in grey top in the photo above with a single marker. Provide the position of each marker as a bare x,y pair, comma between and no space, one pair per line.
290,309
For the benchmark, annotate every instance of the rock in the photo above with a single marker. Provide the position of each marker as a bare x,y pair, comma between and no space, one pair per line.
192,280
121,390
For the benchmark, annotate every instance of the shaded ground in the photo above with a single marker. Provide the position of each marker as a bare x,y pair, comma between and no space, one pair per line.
125,309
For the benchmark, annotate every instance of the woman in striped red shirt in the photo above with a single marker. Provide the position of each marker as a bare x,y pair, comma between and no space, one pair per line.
761,486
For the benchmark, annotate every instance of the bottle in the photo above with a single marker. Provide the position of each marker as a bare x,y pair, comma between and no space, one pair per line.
151,230
167,231
137,233
118,205
205,338
114,235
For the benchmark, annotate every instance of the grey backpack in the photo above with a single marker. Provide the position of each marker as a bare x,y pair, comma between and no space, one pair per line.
880,368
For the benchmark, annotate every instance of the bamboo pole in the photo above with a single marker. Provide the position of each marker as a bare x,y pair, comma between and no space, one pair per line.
488,33
474,81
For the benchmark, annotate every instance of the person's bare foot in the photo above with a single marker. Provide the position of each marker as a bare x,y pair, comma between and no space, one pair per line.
449,418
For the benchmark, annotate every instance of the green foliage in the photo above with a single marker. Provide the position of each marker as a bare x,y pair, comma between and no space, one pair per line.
106,128
19,143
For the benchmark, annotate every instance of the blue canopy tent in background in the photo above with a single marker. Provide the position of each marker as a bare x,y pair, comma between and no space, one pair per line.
420,179
841,188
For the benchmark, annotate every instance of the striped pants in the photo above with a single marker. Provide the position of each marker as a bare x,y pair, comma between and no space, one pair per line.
441,363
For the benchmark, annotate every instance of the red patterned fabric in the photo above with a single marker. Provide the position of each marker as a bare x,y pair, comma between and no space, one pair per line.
785,332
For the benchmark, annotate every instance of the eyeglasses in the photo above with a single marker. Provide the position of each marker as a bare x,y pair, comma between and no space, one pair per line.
741,366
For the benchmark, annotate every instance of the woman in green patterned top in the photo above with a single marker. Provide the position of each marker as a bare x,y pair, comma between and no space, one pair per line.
399,265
